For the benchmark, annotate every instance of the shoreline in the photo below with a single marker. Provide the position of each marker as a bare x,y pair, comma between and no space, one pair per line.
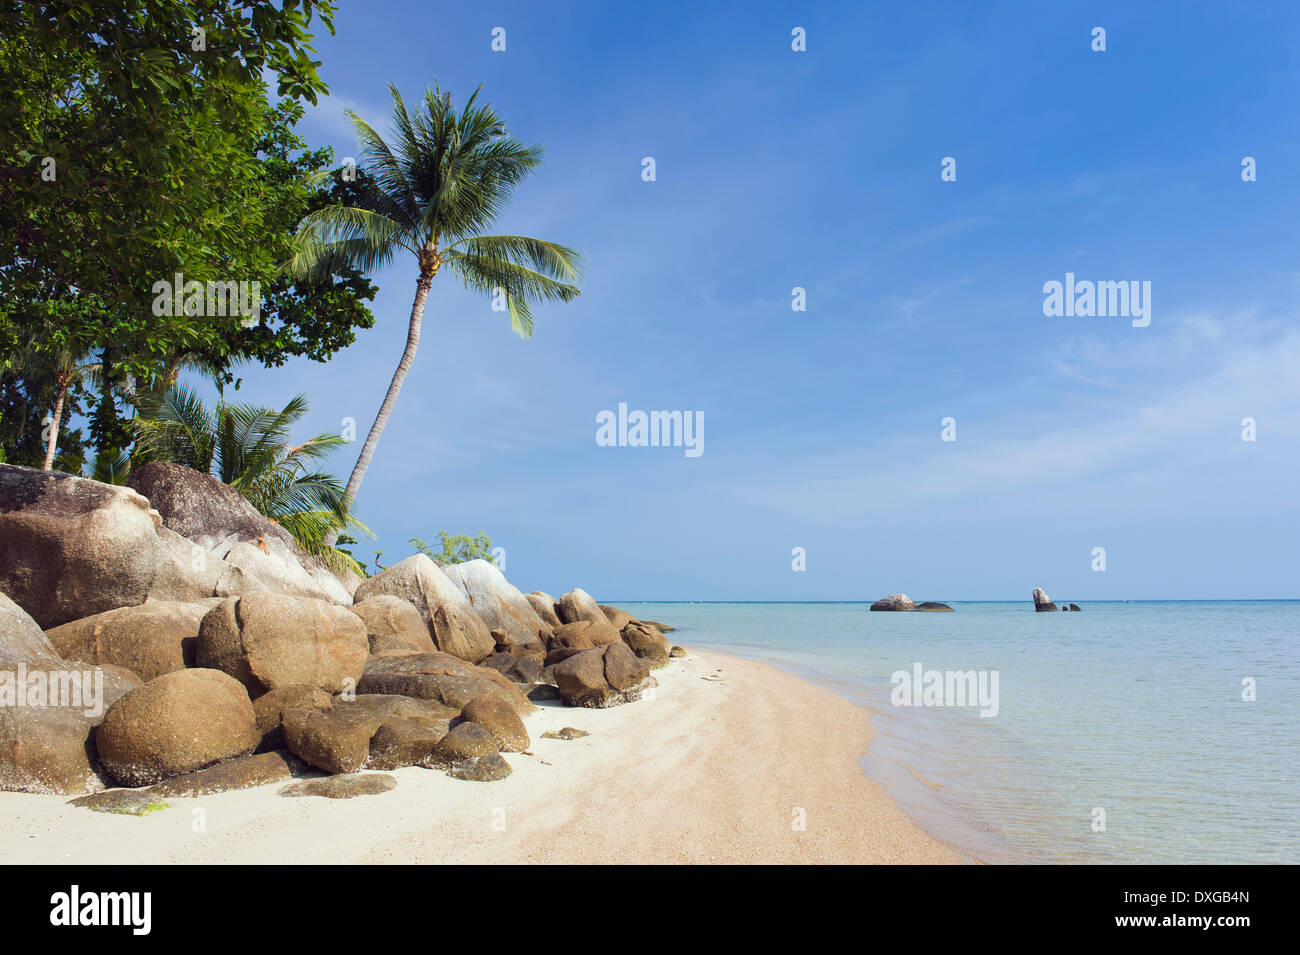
718,765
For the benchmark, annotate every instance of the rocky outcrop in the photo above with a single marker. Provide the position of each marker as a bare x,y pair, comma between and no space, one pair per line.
500,606
1042,602
176,724
619,618
578,606
269,710
269,640
439,677
894,602
604,677
150,639
393,624
454,626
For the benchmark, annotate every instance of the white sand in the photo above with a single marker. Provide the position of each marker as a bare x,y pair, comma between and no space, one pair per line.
715,768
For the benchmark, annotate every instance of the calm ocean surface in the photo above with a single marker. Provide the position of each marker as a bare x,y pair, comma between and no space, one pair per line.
1133,708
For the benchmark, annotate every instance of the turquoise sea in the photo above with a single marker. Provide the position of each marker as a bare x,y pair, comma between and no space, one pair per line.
1132,708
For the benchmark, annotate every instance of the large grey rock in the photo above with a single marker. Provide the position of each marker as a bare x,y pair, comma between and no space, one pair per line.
176,724
150,639
443,605
895,602
270,640
1042,602
499,605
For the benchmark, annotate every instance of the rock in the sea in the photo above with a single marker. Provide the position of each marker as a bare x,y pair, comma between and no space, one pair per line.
242,773
545,606
481,769
442,604
500,719
499,605
661,627
894,602
1042,602
568,732
393,624
1074,606
932,606
175,724
602,677
149,639
270,640
647,643
440,677
342,787
339,739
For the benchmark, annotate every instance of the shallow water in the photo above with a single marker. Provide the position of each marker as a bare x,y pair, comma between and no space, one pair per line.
1134,709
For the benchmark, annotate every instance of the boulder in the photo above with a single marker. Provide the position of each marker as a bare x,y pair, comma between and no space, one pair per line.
1074,606
1042,602
48,748
894,602
270,640
217,518
481,769
500,719
339,739
647,643
439,677
499,605
933,606
403,743
245,772
677,652
661,627
342,787
544,605
270,707
604,677
150,639
578,605
465,741
444,607
517,669
393,624
176,724
619,618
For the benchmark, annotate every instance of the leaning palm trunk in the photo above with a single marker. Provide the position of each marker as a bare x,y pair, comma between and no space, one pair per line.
390,399
53,443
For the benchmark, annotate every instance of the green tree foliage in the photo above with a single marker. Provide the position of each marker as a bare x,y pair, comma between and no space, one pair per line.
456,548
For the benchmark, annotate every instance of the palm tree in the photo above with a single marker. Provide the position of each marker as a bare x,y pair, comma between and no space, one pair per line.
432,193
248,448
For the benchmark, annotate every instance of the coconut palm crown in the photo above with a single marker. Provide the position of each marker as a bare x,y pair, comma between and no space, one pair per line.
433,190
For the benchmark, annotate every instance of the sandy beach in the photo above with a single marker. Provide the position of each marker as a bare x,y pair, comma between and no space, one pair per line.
719,766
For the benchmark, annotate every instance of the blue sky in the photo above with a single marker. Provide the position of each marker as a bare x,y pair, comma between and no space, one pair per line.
822,428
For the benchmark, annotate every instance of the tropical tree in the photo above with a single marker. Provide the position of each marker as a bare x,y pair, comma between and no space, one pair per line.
431,192
249,448
457,548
